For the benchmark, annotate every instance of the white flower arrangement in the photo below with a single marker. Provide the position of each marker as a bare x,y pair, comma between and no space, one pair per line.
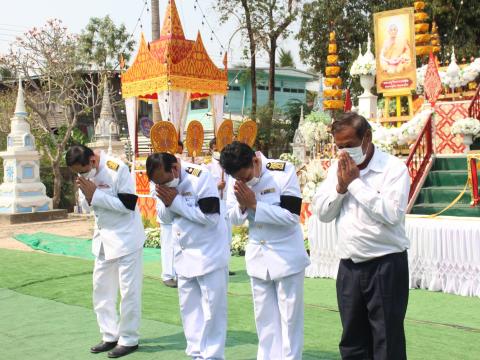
314,132
315,129
363,67
290,158
466,126
311,177
387,138
365,64
454,79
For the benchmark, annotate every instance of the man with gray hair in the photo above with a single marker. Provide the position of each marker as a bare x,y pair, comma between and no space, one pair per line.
366,192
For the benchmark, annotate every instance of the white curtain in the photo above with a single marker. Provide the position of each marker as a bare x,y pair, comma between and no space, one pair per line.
217,111
131,110
174,106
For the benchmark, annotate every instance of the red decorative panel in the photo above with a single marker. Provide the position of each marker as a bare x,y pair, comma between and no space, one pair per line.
142,183
446,114
148,209
305,212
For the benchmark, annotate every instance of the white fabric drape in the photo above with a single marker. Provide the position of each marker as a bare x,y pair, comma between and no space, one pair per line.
444,253
174,107
217,110
131,105
131,111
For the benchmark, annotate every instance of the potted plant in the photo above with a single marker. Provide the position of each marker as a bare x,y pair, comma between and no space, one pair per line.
469,128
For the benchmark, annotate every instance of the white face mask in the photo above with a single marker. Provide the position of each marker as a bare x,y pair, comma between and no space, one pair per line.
252,182
356,153
173,183
89,175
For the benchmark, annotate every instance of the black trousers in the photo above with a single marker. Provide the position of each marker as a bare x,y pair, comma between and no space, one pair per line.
372,299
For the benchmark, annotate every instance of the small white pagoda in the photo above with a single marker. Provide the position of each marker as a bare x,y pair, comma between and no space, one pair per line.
107,134
22,191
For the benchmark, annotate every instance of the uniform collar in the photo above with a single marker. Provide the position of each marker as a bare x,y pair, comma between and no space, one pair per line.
377,162
264,161
103,161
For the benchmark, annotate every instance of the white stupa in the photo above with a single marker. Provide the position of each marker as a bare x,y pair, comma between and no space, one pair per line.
107,136
22,190
298,145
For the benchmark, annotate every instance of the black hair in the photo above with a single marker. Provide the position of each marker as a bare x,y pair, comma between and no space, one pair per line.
351,119
212,143
180,143
159,160
236,156
78,155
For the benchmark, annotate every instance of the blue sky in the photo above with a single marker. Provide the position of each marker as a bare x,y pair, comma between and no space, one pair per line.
16,18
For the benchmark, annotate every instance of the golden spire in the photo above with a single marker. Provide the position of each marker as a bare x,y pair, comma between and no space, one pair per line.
172,26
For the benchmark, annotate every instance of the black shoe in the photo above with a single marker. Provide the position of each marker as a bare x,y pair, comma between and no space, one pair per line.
121,350
171,283
102,347
231,273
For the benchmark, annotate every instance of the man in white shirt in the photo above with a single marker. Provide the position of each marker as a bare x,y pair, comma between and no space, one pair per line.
267,194
187,198
107,187
366,192
222,184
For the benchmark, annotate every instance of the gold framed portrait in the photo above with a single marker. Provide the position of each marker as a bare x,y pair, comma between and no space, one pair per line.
395,51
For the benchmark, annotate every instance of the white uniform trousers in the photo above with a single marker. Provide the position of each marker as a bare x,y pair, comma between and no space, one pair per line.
203,306
126,274
168,268
279,315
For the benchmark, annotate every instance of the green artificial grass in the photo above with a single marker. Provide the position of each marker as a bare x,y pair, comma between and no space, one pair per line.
71,246
46,314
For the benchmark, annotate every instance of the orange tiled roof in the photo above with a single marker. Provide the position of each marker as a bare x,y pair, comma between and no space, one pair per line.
173,62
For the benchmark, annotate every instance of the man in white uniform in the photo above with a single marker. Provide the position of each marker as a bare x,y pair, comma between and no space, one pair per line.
366,192
222,184
267,194
188,199
169,276
117,244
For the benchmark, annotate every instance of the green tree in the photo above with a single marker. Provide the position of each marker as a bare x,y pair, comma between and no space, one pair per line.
102,43
100,46
285,58
243,11
47,59
466,38
352,21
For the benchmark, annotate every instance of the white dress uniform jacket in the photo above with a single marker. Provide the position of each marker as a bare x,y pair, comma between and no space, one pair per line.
118,228
118,246
276,246
217,172
370,216
199,240
167,255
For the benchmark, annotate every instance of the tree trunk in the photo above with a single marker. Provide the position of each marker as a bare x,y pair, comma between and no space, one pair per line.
253,70
155,19
253,81
156,115
271,74
57,184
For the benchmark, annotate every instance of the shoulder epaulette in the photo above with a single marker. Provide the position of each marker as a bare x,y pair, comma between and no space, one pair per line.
193,171
276,166
112,165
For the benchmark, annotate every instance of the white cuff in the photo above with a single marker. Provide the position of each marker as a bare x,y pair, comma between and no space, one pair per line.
356,186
